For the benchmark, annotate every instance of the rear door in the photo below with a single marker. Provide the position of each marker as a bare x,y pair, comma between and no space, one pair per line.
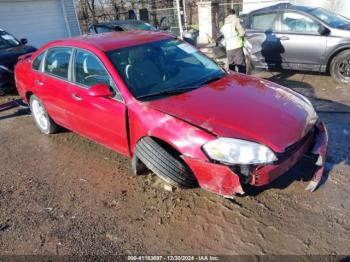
301,40
51,81
102,119
260,41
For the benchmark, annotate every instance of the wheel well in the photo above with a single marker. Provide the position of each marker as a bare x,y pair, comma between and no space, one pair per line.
28,95
165,145
172,150
334,55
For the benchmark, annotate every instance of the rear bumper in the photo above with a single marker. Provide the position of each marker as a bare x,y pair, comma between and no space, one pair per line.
221,180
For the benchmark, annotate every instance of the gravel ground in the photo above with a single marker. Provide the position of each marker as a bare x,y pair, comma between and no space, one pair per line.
63,194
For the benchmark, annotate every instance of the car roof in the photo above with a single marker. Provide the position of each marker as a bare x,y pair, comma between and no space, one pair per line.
121,22
284,6
114,40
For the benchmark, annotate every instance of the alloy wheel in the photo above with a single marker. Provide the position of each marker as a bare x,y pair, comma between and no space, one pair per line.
40,114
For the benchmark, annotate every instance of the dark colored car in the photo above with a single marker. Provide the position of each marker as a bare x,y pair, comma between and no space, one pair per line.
120,25
190,36
286,36
170,108
10,49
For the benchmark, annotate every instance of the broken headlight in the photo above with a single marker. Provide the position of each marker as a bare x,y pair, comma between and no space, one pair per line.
236,151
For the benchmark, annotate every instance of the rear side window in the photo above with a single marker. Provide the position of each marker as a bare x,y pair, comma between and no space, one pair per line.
57,61
92,30
102,29
264,22
37,61
117,29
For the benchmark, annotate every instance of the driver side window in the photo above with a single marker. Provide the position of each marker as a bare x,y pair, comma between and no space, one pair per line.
294,22
89,70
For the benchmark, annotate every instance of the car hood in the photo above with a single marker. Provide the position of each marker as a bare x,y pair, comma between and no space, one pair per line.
244,107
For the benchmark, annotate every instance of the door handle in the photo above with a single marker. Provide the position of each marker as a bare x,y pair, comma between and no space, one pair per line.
76,97
39,83
283,38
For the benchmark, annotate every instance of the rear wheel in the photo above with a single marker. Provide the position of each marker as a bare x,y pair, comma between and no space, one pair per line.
42,119
340,67
164,162
2,90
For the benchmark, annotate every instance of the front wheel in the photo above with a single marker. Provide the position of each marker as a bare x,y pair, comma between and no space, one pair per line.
42,119
340,67
164,162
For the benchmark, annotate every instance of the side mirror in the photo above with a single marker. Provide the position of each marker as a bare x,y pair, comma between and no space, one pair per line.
100,90
24,41
324,31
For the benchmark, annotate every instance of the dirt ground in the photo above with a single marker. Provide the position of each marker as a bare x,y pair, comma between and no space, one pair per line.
63,194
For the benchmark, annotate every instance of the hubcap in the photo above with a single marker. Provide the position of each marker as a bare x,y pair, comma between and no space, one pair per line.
40,114
344,68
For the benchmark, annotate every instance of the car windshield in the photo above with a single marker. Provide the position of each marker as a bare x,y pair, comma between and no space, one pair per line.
330,18
7,40
163,68
139,26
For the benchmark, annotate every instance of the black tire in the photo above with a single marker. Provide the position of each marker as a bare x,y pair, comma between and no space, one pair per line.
51,127
164,162
2,91
7,88
340,67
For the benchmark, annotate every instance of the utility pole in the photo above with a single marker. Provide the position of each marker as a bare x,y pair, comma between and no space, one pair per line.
185,15
179,17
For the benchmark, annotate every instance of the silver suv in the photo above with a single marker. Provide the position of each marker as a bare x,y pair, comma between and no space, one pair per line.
286,36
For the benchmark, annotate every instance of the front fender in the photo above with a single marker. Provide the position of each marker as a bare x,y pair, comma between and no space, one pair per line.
188,140
184,137
335,51
6,74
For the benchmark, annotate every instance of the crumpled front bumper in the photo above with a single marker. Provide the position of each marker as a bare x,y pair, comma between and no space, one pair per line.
222,180
319,149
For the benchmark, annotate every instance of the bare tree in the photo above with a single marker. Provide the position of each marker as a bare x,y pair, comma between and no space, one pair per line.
91,6
153,13
192,8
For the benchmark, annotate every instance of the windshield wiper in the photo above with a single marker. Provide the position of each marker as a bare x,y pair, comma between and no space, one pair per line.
207,80
169,92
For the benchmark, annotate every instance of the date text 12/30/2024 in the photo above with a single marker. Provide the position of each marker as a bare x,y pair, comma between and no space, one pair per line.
173,258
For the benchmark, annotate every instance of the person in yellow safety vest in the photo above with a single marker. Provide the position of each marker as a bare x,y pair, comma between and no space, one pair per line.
233,33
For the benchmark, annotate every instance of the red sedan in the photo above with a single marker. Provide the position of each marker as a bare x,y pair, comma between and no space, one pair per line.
162,102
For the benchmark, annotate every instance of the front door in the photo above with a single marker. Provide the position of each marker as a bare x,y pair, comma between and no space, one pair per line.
102,119
302,41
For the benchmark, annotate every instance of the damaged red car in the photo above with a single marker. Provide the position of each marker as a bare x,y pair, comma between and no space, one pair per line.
160,101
